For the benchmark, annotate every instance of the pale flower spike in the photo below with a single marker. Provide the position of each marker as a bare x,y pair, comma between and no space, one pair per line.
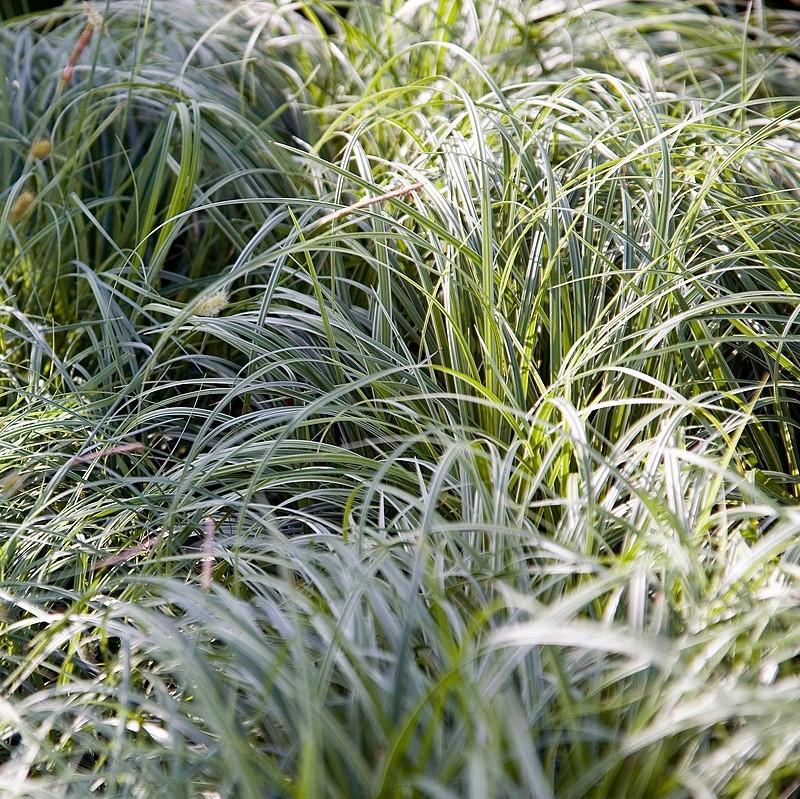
212,305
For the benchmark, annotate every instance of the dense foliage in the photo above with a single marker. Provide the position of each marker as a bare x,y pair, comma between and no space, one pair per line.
401,403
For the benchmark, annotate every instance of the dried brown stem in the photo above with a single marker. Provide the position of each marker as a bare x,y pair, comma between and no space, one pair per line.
208,554
94,21
127,554
105,453
367,201
80,46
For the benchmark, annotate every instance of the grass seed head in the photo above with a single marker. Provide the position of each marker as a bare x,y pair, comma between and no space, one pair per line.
93,16
213,305
41,148
21,206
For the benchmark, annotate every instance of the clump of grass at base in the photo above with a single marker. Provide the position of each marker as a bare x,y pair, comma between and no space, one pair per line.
500,471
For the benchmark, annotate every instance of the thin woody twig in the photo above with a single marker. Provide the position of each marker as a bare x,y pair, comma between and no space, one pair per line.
367,201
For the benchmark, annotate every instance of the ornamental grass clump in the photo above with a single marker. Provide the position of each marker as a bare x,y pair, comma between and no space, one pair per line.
484,485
